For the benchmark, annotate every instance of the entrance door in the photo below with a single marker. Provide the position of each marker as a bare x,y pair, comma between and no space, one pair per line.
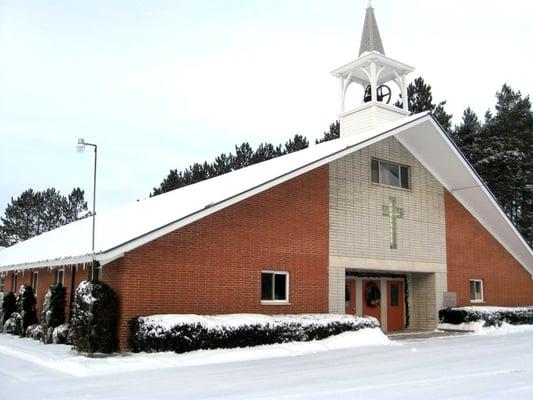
349,296
371,298
395,319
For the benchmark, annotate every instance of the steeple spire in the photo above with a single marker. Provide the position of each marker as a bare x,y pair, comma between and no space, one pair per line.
370,39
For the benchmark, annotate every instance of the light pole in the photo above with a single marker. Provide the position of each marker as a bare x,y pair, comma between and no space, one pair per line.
80,147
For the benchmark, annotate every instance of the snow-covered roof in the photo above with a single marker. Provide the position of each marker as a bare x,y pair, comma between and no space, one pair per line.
123,229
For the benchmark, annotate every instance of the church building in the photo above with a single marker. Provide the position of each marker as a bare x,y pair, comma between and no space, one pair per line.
389,220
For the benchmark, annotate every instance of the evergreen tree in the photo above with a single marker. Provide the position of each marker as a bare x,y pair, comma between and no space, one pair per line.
243,156
420,99
333,133
466,135
505,157
76,207
33,213
298,142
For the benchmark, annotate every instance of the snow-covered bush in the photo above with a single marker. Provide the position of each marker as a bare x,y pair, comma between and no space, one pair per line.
35,332
182,333
8,307
493,316
94,318
14,324
53,313
61,335
26,307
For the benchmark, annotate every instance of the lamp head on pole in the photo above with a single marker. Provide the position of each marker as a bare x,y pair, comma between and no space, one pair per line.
80,147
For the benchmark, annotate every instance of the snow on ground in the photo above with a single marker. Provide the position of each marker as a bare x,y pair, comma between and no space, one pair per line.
62,358
478,328
498,364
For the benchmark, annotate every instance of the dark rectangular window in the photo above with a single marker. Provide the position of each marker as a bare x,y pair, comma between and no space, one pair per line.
34,280
14,283
60,276
274,286
404,177
374,166
390,174
476,290
394,295
2,282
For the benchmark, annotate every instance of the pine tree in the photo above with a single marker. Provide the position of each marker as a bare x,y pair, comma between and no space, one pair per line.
333,133
420,99
466,135
298,142
76,207
33,213
505,158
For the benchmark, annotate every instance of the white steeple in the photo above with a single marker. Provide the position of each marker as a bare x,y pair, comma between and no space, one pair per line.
372,69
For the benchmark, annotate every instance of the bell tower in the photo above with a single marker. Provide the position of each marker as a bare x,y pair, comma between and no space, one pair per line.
374,71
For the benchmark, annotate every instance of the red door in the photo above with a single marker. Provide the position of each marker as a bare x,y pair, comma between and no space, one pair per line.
350,296
395,319
371,298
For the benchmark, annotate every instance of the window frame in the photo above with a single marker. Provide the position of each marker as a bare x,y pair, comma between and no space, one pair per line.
481,287
400,165
287,286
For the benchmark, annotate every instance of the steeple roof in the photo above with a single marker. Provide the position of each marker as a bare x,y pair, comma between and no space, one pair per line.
370,39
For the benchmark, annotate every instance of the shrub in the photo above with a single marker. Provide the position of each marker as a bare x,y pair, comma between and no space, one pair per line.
94,318
493,316
60,334
53,313
188,333
14,324
26,307
35,332
9,306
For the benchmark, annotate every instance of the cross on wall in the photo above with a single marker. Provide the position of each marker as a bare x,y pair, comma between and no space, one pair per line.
393,213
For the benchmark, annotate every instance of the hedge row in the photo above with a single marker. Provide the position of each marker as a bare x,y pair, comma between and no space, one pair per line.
493,316
93,326
149,336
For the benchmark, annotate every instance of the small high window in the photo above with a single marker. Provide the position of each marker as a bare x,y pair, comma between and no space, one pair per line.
60,276
34,281
274,286
2,282
476,290
14,283
390,174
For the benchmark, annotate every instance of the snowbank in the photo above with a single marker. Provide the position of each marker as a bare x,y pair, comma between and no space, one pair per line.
62,358
183,333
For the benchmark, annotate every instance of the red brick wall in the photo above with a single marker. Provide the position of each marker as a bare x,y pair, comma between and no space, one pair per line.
214,265
473,253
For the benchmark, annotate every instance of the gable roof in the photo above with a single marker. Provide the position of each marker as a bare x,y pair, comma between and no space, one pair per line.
124,229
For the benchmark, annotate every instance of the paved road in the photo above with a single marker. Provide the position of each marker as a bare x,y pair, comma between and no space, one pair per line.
456,367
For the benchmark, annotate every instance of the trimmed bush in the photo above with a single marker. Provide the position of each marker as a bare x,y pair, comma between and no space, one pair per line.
35,332
26,307
188,333
53,313
14,325
60,334
94,318
9,306
493,316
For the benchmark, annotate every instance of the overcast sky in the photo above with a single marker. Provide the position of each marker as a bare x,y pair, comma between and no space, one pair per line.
161,84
